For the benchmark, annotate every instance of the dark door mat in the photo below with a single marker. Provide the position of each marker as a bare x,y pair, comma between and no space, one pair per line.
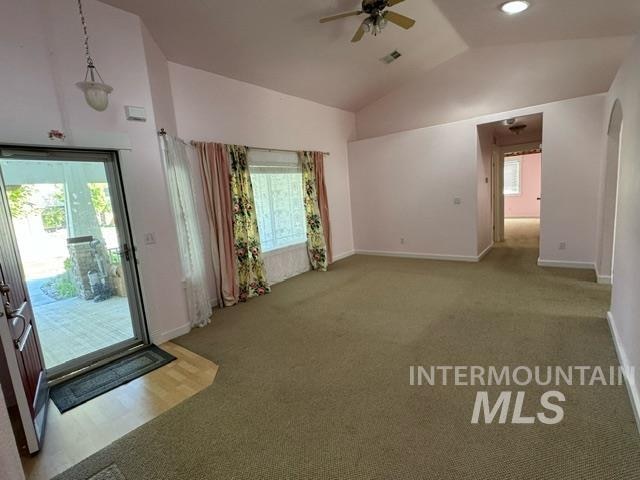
81,389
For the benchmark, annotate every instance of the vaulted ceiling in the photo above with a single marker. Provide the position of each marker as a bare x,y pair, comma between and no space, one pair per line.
279,44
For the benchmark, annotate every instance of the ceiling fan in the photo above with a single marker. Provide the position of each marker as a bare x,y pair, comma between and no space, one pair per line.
377,17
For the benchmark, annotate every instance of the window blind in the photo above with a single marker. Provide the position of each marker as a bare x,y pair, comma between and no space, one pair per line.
512,176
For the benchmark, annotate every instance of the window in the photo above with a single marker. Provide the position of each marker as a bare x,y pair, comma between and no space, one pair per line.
276,178
512,176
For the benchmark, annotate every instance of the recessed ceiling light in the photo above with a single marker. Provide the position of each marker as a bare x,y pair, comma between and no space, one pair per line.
517,6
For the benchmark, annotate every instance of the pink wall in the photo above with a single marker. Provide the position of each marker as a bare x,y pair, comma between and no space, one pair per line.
42,58
526,204
210,107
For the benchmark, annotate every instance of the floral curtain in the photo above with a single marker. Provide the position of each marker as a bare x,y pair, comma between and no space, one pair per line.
316,244
252,279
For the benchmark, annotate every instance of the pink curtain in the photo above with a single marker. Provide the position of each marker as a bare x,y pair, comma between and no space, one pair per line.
214,165
323,203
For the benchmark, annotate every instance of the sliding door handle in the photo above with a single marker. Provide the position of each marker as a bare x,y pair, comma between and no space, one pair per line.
125,252
12,316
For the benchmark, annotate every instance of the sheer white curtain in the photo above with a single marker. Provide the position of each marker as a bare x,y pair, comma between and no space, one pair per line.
279,199
176,155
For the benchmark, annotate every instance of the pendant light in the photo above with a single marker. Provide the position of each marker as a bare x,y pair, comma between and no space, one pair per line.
95,93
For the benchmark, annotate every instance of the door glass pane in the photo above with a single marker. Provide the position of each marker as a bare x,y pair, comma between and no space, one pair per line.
68,236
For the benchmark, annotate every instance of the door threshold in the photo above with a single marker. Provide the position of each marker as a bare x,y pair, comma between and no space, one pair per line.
55,380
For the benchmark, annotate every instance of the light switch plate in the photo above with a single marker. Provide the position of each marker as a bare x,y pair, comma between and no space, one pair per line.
149,238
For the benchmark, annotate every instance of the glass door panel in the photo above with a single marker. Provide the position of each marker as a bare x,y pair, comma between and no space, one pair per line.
68,215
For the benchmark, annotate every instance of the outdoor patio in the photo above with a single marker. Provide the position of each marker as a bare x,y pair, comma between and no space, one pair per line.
74,327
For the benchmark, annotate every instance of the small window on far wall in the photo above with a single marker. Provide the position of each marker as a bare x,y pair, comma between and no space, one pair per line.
512,176
276,178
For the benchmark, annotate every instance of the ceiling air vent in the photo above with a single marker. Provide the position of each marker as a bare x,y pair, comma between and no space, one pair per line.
392,57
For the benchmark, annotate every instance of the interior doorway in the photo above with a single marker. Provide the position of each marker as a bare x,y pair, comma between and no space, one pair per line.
68,215
522,182
516,179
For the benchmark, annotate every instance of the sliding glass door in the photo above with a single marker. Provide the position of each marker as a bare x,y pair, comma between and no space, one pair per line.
70,223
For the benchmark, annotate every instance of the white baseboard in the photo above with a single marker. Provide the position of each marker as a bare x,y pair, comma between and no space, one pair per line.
422,256
343,255
632,389
604,279
566,264
161,337
485,251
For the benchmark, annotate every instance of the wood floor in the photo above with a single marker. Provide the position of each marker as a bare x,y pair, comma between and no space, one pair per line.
88,428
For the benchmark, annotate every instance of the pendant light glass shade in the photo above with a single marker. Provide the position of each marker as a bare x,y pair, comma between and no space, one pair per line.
96,94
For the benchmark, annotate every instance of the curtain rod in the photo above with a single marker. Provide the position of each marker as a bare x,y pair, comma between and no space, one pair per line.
164,132
280,150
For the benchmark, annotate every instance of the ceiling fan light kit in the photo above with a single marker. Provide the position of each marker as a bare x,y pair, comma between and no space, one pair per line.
377,17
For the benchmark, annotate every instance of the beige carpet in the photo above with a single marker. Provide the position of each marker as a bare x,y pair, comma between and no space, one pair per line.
314,379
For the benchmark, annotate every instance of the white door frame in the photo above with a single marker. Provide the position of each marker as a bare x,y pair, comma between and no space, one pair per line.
497,173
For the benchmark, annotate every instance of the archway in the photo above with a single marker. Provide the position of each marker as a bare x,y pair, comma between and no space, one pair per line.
610,196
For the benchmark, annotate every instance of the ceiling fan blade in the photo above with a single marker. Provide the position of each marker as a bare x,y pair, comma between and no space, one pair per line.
391,3
359,34
400,20
338,17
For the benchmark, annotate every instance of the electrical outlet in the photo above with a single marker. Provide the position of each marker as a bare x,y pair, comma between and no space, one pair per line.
402,241
457,201
562,246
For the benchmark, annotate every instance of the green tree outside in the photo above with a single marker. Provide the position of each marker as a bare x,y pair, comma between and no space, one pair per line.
19,200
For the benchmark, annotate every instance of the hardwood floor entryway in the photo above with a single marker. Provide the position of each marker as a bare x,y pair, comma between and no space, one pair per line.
81,432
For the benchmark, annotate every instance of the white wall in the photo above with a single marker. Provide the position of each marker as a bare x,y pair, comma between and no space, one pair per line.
213,108
572,146
403,185
160,84
625,303
42,56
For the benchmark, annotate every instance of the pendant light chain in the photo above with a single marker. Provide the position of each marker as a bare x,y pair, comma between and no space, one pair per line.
91,68
86,35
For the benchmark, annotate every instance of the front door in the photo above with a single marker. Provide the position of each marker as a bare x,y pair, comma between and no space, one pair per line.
70,227
22,359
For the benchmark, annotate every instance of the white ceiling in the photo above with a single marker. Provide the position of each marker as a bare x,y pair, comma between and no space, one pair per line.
279,44
481,23
494,79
